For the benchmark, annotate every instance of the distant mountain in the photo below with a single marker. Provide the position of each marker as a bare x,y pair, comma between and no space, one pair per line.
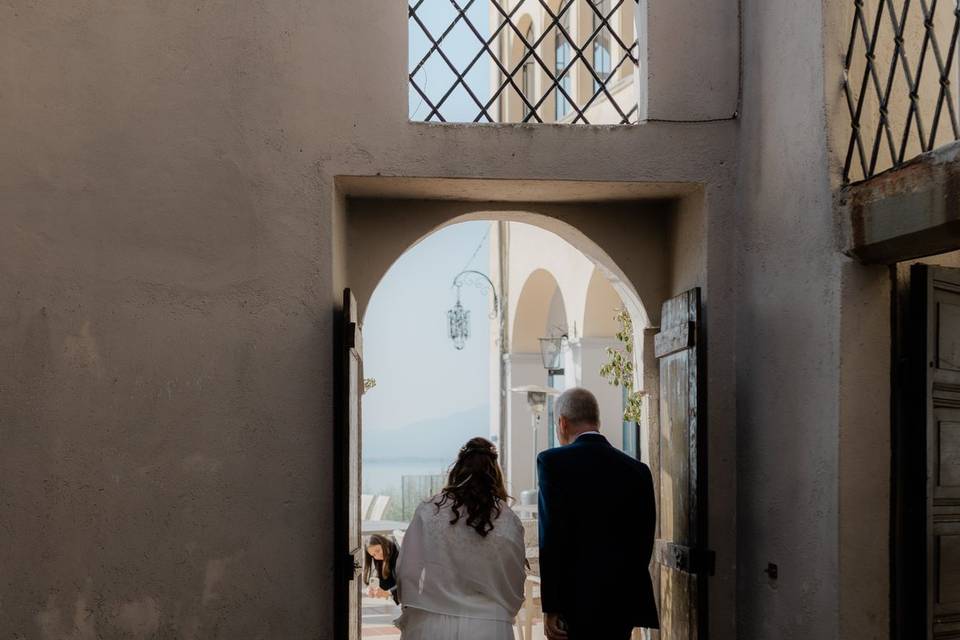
435,439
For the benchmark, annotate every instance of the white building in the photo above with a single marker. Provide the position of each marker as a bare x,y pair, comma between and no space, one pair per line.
552,290
605,31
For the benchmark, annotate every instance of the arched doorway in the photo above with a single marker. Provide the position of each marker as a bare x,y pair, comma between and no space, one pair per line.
634,247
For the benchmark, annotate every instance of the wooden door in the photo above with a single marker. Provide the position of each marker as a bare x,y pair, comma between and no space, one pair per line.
348,552
935,297
681,552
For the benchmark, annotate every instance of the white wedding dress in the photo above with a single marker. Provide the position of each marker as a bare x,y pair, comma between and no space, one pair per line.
455,584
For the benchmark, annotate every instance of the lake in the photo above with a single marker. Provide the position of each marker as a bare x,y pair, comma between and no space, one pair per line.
382,475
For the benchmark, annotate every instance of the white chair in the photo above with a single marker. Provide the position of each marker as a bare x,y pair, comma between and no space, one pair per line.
530,610
379,507
398,537
365,501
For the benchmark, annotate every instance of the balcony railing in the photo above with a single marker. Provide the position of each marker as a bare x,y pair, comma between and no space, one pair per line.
899,76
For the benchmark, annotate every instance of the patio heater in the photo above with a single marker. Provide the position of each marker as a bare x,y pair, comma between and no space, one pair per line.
537,401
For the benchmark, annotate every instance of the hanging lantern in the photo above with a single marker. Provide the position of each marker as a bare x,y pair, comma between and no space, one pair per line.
458,318
458,321
551,352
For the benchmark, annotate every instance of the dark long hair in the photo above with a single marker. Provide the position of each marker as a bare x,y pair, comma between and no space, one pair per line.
475,483
390,552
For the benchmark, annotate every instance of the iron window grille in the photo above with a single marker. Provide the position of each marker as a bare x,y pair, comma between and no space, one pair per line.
596,58
898,78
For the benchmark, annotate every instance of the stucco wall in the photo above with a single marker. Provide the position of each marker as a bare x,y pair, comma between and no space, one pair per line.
863,448
169,279
788,328
165,314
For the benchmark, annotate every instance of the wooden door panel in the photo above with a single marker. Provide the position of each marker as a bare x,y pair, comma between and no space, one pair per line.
948,336
681,554
677,588
674,451
946,464
946,578
935,294
947,555
347,443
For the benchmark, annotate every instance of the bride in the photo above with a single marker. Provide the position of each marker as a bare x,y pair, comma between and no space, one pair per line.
461,569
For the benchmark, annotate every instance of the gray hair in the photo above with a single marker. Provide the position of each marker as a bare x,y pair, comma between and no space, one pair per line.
579,407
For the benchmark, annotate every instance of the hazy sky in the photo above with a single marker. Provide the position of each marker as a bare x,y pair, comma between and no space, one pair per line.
419,374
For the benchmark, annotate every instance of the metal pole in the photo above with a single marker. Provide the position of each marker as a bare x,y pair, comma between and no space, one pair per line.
503,240
536,441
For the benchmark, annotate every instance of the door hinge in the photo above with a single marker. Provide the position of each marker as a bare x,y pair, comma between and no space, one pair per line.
351,335
351,565
686,559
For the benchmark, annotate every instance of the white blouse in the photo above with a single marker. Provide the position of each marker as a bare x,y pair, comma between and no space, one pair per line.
453,570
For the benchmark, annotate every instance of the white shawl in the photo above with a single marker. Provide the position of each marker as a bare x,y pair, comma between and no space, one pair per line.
453,570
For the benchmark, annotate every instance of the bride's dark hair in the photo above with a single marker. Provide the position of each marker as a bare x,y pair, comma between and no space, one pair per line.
475,483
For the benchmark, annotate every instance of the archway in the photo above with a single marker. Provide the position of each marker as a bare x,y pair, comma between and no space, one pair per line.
375,239
648,250
539,311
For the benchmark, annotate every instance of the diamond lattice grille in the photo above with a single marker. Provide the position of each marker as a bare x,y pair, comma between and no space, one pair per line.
899,76
568,61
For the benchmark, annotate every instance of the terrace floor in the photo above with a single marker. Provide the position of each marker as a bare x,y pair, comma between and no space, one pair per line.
378,616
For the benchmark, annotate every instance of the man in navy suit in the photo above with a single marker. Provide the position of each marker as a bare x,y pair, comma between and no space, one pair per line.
597,524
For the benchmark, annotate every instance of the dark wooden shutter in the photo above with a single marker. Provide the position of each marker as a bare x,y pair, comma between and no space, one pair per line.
349,390
681,553
935,296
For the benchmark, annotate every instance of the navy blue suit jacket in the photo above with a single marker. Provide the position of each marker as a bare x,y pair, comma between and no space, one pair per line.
597,525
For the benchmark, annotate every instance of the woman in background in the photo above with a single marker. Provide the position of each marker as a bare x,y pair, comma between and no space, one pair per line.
461,570
380,556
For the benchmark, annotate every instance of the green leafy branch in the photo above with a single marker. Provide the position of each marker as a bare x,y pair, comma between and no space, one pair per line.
619,370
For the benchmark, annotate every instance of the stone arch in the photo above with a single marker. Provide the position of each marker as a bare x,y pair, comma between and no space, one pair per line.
540,304
367,268
600,307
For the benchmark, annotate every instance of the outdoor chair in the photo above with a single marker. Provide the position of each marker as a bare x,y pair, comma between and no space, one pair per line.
530,612
365,501
379,507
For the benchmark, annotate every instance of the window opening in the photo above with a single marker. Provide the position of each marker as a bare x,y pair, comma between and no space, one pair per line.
472,61
601,43
529,88
561,63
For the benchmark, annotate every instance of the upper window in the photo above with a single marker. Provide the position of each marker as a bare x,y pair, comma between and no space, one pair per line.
601,42
529,81
562,59
569,61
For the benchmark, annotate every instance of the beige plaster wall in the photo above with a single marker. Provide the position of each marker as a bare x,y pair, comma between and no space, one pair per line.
165,314
863,352
864,450
787,337
173,246
812,352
